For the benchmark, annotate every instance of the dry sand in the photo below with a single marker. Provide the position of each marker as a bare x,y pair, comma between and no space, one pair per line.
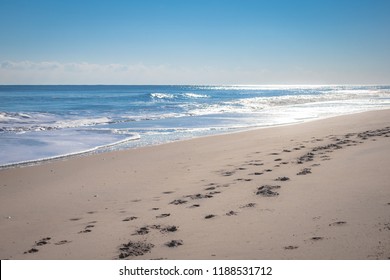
317,190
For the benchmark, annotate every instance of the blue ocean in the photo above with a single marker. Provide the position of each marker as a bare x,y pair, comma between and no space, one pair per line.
46,122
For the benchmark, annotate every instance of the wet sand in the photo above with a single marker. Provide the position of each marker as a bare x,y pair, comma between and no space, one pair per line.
317,190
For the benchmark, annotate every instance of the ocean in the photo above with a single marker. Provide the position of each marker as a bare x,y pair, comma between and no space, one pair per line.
46,122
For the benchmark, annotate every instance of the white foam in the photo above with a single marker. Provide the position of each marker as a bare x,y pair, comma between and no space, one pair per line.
195,95
162,95
81,122
13,117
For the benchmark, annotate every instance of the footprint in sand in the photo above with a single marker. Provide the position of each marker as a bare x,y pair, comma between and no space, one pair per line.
304,171
168,192
256,173
209,216
199,196
43,241
87,229
62,242
249,205
214,192
31,251
290,247
256,164
338,223
282,179
178,201
163,215
141,231
174,243
169,229
317,238
227,173
267,191
129,219
131,248
231,213
194,206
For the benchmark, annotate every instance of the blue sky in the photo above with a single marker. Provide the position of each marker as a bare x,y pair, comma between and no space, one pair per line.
195,42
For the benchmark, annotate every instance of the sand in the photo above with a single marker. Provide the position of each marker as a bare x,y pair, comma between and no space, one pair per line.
316,190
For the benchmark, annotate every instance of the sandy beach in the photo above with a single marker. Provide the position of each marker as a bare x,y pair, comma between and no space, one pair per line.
315,190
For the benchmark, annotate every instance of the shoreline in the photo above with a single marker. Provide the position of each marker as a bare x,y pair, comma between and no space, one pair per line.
95,150
312,190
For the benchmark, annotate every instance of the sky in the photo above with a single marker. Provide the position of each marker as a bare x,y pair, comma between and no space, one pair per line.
195,42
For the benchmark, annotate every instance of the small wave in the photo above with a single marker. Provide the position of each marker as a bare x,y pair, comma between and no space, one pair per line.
195,95
257,104
189,95
115,131
13,117
16,125
81,122
261,87
162,95
206,109
151,117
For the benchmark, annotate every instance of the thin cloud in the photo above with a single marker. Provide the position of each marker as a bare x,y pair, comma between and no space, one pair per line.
53,72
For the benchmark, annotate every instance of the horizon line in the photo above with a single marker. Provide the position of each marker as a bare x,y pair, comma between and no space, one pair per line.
232,85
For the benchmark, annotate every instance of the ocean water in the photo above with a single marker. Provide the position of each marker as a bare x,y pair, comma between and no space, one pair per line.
45,122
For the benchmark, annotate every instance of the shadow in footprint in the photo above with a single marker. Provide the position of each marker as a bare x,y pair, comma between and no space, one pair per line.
138,248
62,242
209,216
316,238
178,201
290,247
141,231
337,223
163,215
130,219
282,179
231,213
169,229
194,206
249,205
267,191
174,243
304,171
